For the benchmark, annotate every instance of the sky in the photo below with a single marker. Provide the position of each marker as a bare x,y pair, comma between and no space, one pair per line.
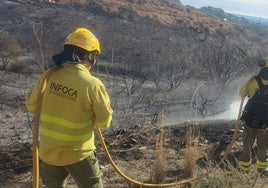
257,8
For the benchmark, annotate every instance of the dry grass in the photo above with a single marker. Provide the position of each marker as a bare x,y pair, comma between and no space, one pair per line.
159,174
15,126
191,151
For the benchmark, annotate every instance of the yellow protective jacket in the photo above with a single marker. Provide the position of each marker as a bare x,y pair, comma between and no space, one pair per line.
73,103
251,87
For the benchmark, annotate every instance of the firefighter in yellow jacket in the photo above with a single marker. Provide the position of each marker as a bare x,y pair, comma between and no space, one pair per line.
74,102
255,118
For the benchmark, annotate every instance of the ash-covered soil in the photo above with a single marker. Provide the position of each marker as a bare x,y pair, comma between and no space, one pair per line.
132,148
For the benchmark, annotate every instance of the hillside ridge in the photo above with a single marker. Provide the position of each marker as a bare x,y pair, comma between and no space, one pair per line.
129,28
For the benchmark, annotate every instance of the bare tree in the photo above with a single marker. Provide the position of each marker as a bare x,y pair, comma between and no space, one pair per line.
9,48
176,72
43,46
155,73
133,81
222,63
202,104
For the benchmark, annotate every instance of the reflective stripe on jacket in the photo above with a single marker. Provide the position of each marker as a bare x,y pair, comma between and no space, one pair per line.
73,103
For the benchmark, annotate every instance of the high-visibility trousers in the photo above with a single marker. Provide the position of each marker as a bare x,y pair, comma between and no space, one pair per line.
262,165
249,137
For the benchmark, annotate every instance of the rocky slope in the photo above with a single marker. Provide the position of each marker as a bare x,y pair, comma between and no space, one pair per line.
131,31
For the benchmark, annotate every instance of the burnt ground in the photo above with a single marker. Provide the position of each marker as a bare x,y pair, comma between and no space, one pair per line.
133,150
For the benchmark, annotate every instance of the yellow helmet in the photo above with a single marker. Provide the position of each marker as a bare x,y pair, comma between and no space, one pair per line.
83,38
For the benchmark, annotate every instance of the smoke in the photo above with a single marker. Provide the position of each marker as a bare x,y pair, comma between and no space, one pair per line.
231,113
